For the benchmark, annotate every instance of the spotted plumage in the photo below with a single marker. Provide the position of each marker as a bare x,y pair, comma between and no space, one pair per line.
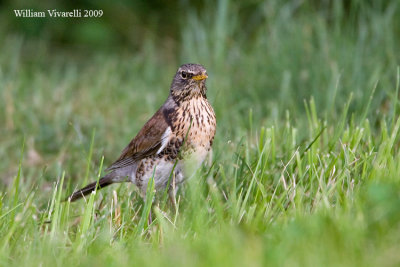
181,132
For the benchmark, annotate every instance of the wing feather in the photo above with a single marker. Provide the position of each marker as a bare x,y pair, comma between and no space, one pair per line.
147,142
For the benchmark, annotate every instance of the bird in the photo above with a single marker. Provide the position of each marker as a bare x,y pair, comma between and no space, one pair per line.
174,142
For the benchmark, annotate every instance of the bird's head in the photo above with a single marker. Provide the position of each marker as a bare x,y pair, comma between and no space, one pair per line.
189,82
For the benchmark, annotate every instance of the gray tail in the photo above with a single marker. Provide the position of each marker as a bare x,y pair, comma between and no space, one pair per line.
103,182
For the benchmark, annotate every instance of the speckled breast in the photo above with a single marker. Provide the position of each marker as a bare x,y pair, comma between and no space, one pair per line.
197,124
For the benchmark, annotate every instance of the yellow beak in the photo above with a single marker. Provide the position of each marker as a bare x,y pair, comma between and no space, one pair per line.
200,77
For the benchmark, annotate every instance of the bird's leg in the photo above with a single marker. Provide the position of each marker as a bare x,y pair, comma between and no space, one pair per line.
172,191
150,219
172,197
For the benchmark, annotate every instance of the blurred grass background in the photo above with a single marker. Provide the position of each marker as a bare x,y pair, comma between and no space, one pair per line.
306,151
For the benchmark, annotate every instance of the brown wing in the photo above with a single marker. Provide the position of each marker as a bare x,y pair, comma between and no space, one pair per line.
147,142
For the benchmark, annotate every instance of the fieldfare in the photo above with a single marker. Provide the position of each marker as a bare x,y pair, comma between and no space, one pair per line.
173,143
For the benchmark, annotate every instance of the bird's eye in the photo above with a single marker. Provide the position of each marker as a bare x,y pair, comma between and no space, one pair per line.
184,74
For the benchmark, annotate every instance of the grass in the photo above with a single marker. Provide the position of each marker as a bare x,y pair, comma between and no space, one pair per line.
306,157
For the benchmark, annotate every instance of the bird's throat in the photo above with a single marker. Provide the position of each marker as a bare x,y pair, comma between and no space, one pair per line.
195,91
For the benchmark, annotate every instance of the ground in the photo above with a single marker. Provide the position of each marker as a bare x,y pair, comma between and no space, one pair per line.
306,157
